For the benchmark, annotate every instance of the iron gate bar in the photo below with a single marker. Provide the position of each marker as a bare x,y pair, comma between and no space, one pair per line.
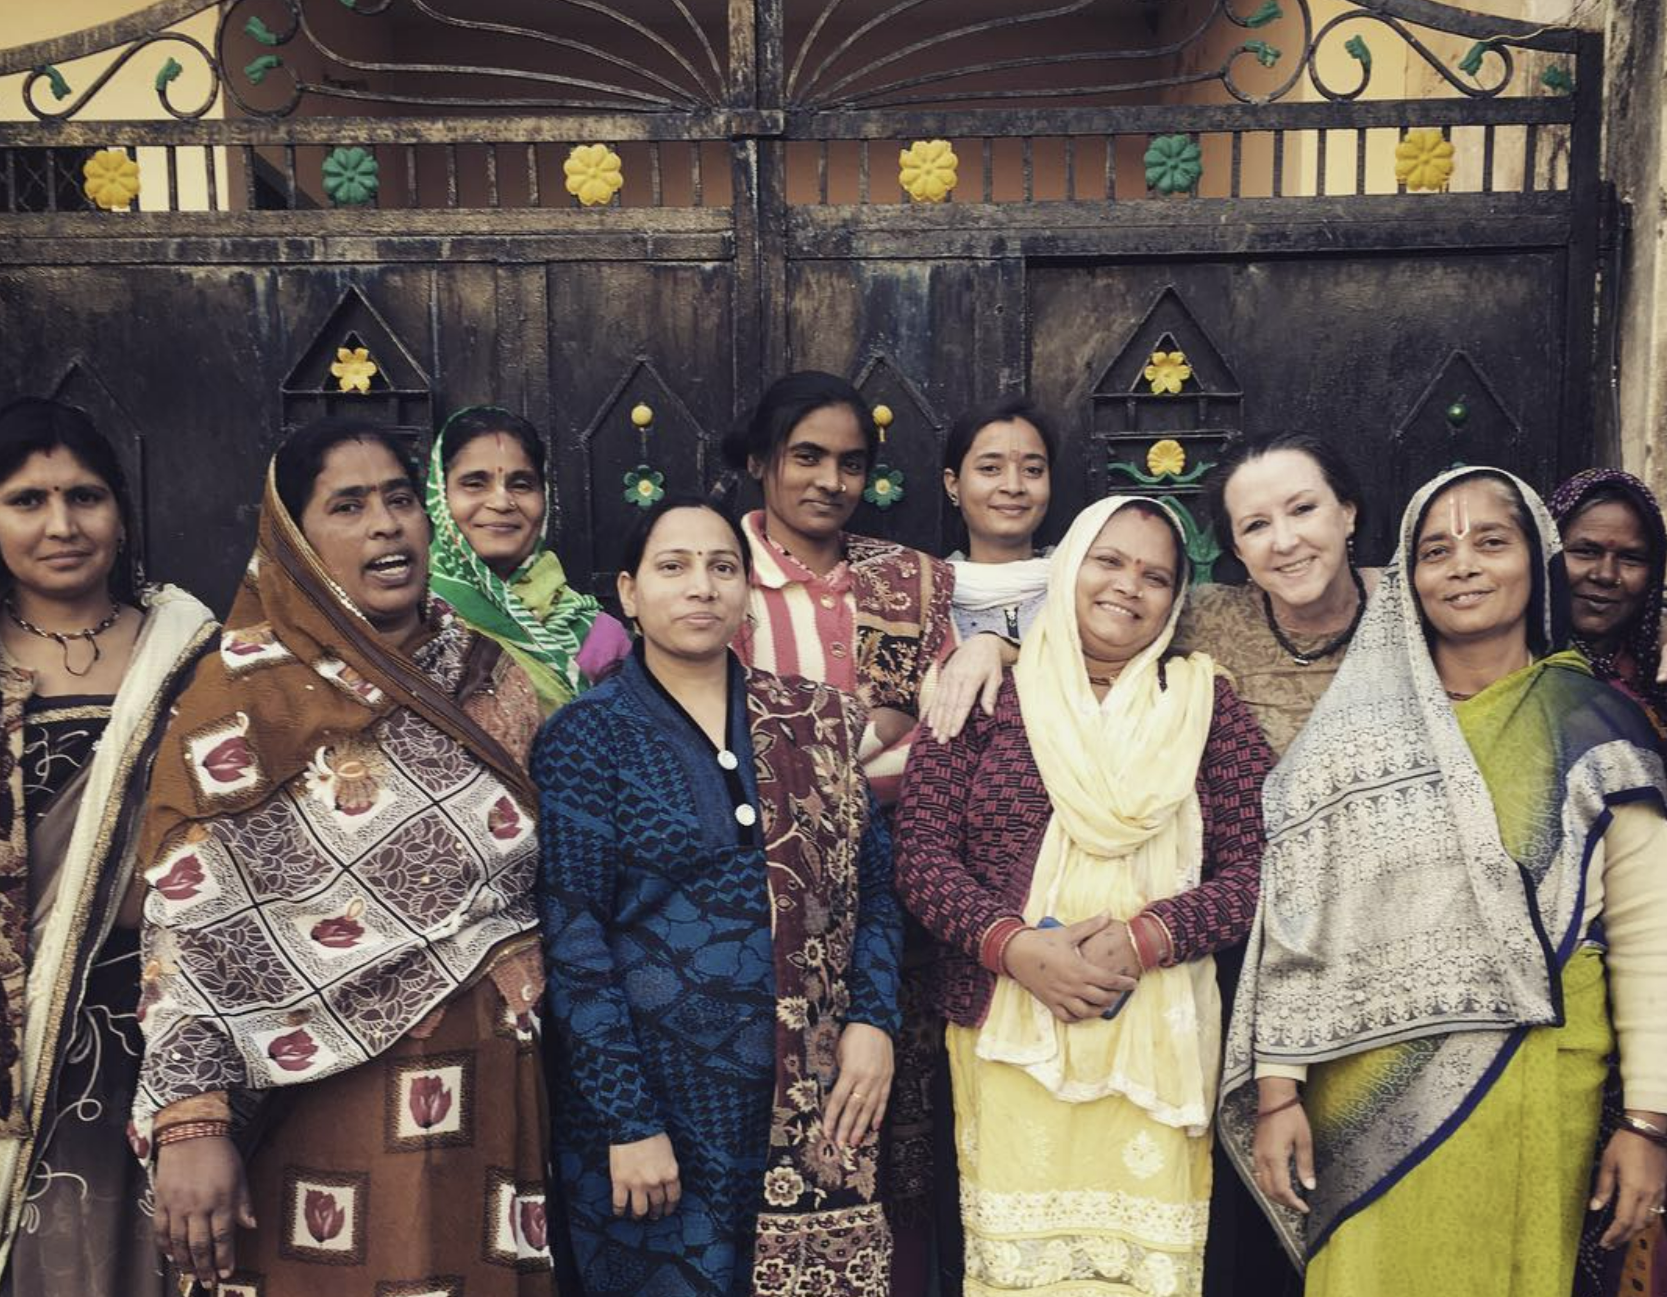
717,125
1145,119
1183,228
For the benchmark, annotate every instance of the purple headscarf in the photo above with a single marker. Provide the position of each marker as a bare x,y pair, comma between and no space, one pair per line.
1640,641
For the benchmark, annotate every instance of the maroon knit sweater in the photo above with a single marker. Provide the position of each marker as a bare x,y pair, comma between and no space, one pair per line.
971,820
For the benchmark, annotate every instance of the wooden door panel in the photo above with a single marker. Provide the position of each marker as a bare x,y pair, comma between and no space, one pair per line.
1411,362
620,335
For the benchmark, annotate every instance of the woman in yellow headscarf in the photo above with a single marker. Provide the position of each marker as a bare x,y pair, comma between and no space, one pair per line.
1081,853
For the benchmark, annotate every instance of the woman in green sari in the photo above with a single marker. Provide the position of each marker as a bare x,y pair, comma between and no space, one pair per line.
488,498
1462,916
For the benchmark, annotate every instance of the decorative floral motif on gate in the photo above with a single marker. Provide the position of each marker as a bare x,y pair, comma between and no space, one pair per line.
350,176
594,174
112,179
1424,160
354,369
927,170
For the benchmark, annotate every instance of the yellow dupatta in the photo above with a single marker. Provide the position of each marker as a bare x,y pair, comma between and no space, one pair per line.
1127,829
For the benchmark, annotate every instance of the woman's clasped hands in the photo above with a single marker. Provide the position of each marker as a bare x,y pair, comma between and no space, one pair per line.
1078,970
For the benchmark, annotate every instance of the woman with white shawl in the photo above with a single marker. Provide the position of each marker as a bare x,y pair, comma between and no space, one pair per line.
1080,854
90,661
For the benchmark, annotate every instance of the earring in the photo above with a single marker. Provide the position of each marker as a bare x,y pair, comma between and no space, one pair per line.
954,500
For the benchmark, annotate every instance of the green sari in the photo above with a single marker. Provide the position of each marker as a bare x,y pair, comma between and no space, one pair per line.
540,620
1508,1173
1420,953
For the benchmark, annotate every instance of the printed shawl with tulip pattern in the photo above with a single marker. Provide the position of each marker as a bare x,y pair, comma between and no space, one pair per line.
334,844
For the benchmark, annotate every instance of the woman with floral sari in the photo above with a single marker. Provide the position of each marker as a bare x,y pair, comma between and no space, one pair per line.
1462,884
340,972
723,950
90,662
873,619
1082,853
489,503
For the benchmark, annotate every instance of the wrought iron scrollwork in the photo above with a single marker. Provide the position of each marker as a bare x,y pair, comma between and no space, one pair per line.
853,72
629,64
695,83
166,77
662,59
1474,89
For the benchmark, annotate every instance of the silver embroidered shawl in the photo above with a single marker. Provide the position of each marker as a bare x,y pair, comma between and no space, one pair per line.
1390,909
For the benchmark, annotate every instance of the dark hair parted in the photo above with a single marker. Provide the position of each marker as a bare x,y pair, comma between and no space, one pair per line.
1148,508
787,404
1614,493
483,420
301,458
1239,452
33,425
636,544
964,431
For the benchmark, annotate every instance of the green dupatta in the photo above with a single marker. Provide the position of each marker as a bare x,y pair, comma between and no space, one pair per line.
540,620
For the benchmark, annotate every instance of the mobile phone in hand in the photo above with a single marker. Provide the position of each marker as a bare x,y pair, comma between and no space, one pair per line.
1048,921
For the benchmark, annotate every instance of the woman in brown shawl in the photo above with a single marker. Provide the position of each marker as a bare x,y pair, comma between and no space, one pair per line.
339,973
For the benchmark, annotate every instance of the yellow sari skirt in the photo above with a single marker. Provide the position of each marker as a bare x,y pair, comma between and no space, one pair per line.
1496,1209
1072,1199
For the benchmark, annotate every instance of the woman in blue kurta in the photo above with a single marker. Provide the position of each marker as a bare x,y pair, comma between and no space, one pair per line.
725,1076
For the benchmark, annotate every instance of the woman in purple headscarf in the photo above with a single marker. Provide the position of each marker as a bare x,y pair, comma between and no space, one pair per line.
1615,551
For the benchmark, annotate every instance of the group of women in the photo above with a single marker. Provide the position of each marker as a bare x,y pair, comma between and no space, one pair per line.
865,923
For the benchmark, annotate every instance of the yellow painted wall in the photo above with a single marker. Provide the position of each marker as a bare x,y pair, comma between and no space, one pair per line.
130,94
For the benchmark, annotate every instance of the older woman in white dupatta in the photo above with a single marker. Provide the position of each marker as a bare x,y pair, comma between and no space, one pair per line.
1085,1140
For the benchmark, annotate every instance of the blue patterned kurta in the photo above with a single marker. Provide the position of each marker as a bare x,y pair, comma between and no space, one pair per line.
657,937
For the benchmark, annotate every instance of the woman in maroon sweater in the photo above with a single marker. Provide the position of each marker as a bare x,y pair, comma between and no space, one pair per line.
1117,790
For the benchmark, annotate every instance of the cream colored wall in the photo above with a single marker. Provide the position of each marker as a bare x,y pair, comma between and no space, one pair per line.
131,93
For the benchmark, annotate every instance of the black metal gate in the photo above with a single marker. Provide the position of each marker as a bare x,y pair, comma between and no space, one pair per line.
1173,223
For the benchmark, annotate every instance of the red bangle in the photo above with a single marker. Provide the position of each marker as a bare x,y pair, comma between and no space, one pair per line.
1001,949
1279,1107
996,937
182,1131
1139,938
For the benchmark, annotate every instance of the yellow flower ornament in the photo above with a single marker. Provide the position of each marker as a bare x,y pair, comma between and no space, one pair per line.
1166,456
353,369
927,170
1424,160
594,174
1168,372
112,179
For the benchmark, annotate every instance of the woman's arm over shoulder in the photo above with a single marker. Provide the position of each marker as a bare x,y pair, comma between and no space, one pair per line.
932,877
1219,911
574,767
1635,926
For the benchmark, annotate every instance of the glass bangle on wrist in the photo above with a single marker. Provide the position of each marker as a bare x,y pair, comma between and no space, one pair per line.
1645,1130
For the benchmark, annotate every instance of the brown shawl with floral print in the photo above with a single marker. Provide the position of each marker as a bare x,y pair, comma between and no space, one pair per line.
822,1231
310,759
905,622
